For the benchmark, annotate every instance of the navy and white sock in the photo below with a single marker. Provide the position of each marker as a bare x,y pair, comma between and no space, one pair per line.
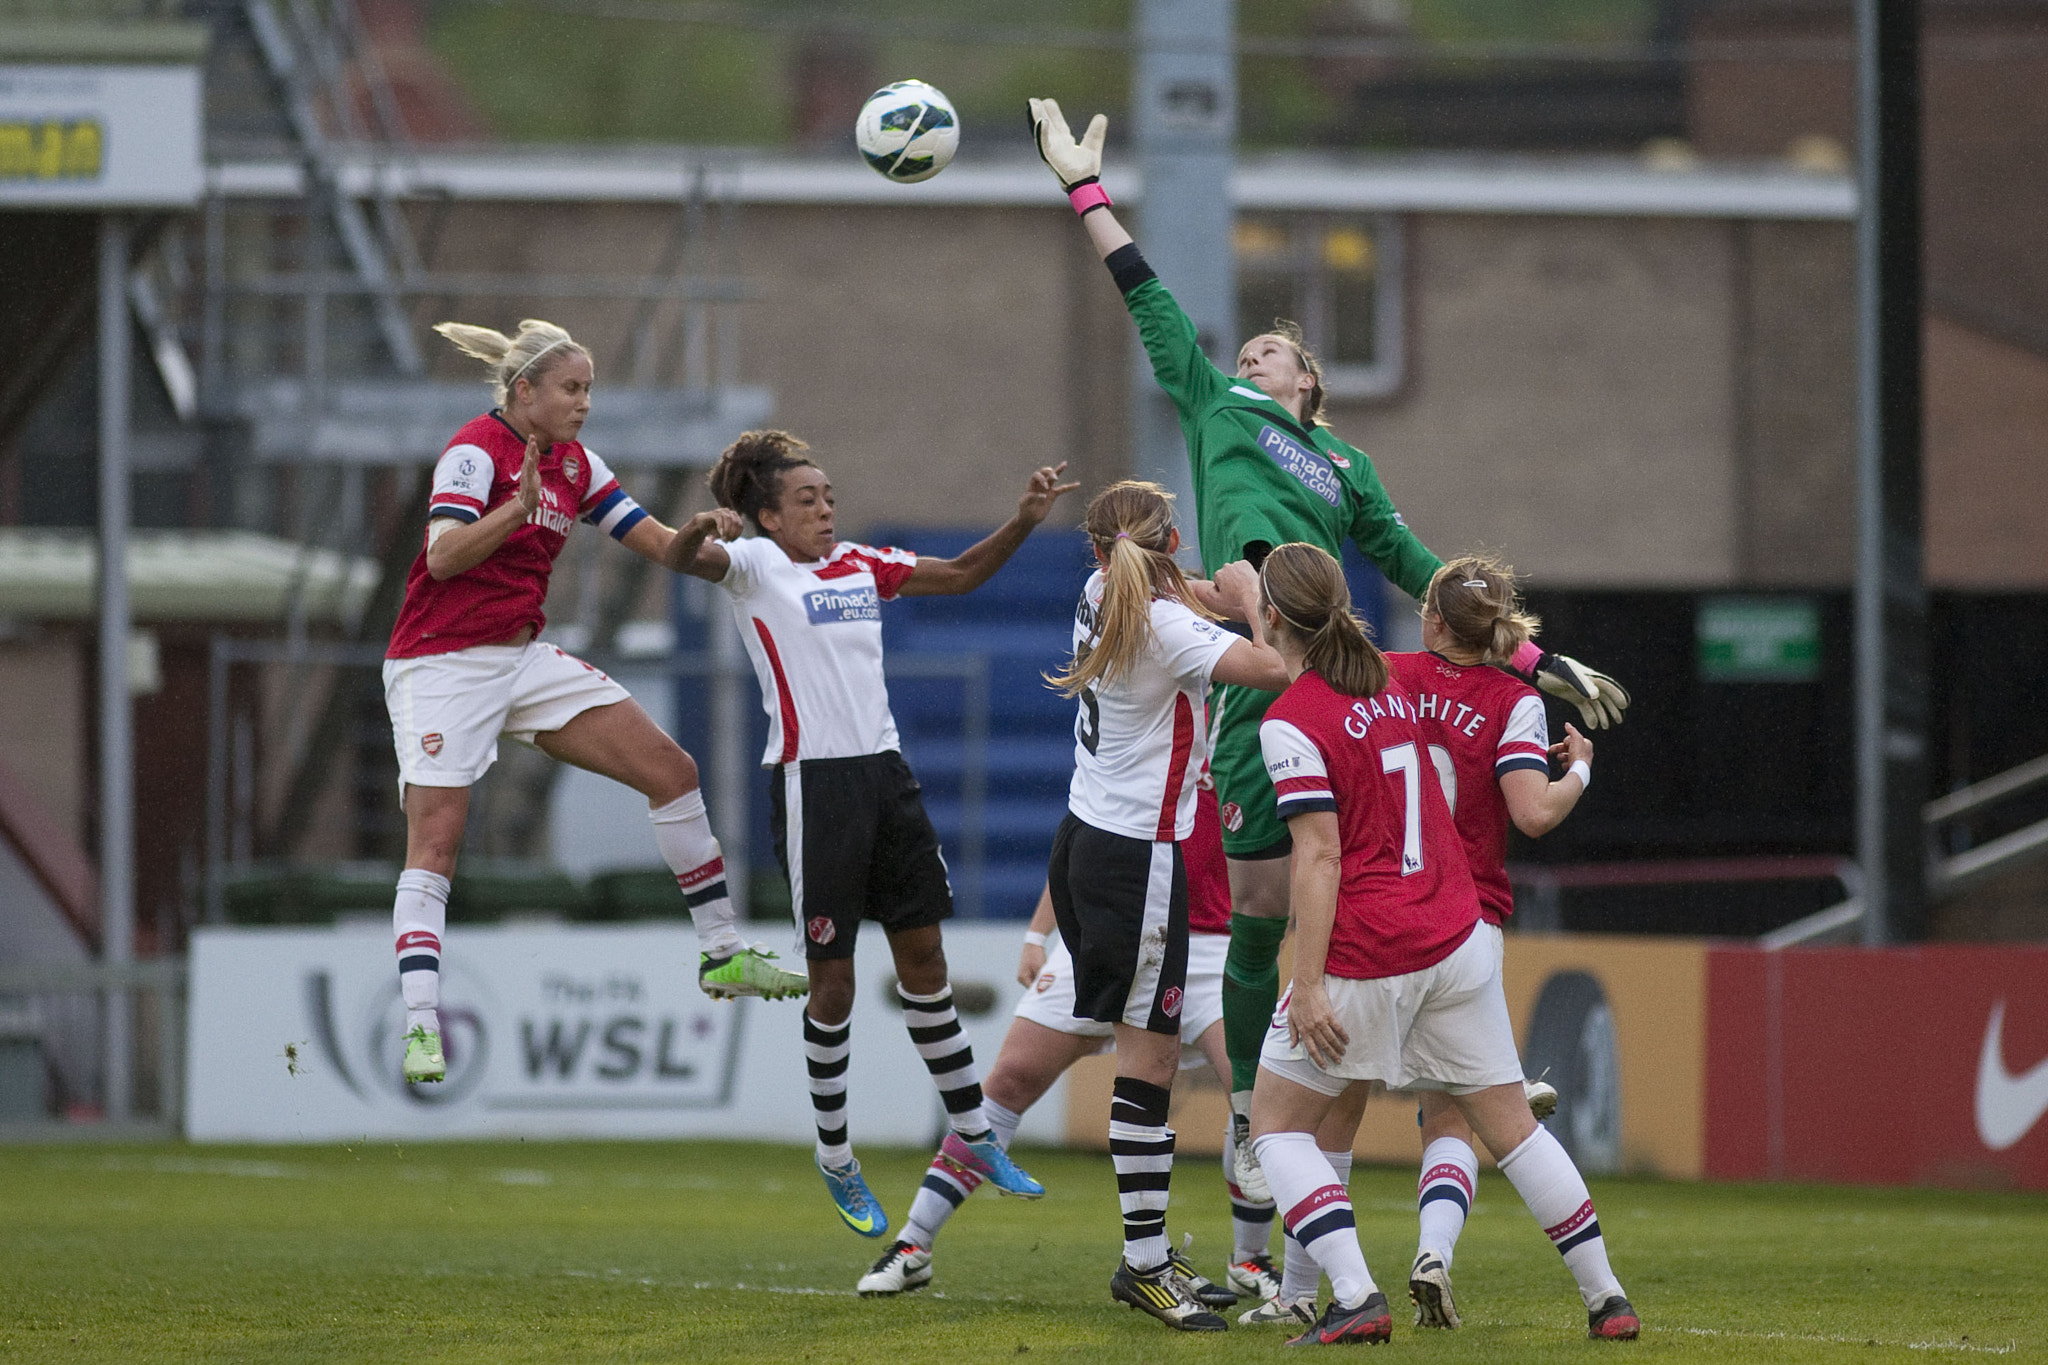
944,1189
935,1030
1300,1275
1443,1198
1316,1211
1251,1223
1141,1149
947,1183
1543,1174
419,916
826,1047
682,831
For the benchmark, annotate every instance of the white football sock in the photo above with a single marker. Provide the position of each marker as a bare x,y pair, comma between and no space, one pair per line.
1543,1174
682,831
419,916
1003,1122
1251,1223
1300,1276
1450,1175
1316,1211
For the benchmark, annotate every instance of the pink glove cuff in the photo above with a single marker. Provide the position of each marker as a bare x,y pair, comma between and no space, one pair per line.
1525,658
1088,196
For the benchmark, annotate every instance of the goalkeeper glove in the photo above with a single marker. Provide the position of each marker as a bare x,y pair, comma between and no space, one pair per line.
1077,164
1600,699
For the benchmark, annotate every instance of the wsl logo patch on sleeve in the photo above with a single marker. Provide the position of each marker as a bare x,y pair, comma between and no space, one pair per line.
1304,464
833,606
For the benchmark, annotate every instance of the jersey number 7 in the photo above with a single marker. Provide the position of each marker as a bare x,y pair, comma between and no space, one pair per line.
1405,760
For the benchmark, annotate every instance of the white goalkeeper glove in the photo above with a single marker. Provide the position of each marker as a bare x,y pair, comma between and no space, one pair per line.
1600,699
1075,163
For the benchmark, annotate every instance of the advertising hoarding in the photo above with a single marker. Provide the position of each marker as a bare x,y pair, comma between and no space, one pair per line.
100,137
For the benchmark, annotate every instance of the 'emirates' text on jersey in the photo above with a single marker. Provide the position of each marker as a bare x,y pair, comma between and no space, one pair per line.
1481,723
1141,741
503,595
1404,897
814,632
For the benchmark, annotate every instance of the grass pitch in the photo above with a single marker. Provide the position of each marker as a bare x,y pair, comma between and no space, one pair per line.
730,1252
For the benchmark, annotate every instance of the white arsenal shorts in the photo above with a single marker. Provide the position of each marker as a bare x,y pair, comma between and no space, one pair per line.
1445,1027
447,710
1050,1001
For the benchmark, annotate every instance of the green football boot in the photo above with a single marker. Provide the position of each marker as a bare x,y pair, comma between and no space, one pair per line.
750,971
423,1059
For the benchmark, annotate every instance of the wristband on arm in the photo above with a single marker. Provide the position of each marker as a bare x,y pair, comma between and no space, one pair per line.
1088,194
1583,771
1036,939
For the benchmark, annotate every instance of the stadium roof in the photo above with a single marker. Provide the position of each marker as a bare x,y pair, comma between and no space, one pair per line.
208,576
1610,186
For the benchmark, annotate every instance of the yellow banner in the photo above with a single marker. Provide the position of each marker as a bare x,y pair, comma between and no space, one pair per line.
51,150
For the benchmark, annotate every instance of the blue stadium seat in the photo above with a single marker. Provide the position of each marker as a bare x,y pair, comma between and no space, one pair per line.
1022,619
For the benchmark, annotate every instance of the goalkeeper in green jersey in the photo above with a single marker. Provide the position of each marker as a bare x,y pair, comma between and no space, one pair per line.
1267,471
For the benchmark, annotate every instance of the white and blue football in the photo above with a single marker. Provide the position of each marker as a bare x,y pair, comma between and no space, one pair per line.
908,131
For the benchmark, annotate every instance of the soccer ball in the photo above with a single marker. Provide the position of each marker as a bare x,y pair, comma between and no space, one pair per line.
908,131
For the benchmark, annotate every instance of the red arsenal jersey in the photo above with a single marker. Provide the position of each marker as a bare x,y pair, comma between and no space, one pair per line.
1481,723
496,599
1405,898
1208,874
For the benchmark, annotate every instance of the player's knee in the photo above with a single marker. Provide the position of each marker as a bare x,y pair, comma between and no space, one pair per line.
831,992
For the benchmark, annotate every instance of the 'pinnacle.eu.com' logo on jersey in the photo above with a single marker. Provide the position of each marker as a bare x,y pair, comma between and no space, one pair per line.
829,605
1304,464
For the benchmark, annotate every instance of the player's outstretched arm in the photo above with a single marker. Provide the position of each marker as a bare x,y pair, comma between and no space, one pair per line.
1183,370
1253,662
978,563
454,548
1600,699
693,548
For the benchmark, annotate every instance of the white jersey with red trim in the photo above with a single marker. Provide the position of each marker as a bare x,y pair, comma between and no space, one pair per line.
1141,742
1405,898
1481,723
814,632
491,602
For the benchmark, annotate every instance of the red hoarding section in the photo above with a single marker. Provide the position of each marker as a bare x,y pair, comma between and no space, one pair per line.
1895,1066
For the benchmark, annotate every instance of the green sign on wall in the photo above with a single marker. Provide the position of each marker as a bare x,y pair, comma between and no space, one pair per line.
1759,639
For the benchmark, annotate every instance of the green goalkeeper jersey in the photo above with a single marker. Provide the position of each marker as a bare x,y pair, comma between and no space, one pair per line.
1259,475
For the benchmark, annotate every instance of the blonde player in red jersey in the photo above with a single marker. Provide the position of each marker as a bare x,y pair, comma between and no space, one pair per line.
466,664
1393,982
1490,743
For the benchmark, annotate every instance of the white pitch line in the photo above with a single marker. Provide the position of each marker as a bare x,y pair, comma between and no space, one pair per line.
2006,1349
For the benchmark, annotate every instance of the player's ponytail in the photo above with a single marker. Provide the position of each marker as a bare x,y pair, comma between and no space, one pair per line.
1131,524
1306,586
1476,599
748,475
538,348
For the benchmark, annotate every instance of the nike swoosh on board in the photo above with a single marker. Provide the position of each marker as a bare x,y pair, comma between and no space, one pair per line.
2007,1105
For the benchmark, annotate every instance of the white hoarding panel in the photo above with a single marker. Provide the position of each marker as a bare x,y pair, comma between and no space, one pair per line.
585,1031
90,137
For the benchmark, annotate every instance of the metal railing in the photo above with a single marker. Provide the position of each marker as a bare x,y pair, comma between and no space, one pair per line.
1539,888
52,1069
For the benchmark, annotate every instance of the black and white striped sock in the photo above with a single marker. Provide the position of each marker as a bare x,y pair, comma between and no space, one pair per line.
935,1030
825,1051
1141,1148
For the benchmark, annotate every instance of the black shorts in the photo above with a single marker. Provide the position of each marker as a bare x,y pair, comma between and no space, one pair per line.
854,841
1122,906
